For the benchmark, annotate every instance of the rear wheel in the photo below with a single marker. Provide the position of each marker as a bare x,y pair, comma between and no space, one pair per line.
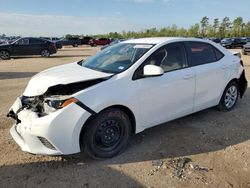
45,53
107,134
4,54
229,97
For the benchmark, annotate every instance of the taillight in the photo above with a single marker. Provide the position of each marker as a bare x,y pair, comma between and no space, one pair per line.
53,45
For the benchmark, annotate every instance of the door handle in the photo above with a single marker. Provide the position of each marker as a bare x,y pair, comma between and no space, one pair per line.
188,76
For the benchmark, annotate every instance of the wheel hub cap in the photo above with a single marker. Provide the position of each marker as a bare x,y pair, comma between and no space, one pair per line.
231,96
108,133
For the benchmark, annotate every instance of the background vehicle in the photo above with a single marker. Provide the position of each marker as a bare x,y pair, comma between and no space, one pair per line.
115,41
100,41
233,42
246,49
27,46
85,40
55,40
69,42
216,40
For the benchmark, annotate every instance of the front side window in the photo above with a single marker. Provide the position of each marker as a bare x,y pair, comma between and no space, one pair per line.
170,57
117,58
23,42
201,53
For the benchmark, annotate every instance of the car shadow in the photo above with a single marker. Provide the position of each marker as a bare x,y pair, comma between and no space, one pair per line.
63,174
14,75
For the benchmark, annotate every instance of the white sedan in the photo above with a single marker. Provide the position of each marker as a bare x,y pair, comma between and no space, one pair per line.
94,106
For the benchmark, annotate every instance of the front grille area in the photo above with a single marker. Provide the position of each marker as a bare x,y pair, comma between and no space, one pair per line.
46,143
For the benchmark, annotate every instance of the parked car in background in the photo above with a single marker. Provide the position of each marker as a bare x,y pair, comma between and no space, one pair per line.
69,42
100,41
85,40
226,42
3,41
28,46
70,108
233,42
55,40
115,41
216,40
246,48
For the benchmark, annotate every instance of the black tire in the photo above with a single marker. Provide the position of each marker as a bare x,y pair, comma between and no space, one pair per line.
45,53
225,104
75,45
4,54
107,134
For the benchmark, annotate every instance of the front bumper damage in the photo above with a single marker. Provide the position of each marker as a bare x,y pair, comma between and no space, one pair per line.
53,134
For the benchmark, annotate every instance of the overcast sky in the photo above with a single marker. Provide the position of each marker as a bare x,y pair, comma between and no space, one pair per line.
60,17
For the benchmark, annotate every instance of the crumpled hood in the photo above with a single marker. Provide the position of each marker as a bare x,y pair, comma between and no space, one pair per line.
63,74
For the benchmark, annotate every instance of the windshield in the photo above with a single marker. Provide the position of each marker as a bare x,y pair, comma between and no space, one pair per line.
117,58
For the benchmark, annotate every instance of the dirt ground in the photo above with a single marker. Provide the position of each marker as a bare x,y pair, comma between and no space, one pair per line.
205,149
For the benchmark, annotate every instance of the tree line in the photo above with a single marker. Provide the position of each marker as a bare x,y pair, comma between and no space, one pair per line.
206,28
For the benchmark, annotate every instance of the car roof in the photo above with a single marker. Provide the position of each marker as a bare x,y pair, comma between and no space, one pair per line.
160,40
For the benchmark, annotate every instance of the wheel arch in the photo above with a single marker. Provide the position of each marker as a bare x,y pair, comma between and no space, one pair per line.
7,50
120,107
46,48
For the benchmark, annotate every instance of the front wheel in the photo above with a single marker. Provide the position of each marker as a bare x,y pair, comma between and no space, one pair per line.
229,97
4,55
45,53
107,134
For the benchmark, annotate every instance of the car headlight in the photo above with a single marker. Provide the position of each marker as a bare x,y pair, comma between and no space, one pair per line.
54,103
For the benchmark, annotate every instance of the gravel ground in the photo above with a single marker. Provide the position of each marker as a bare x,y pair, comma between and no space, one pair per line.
205,149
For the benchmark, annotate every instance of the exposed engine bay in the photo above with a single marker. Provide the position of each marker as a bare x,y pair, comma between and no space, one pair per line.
52,100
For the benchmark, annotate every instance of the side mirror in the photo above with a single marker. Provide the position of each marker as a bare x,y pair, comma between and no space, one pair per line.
152,70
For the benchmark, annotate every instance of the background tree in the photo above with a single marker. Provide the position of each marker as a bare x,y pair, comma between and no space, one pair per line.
225,27
237,27
193,31
216,27
204,26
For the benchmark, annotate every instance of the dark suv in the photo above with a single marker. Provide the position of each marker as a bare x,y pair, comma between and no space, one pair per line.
233,42
69,42
27,46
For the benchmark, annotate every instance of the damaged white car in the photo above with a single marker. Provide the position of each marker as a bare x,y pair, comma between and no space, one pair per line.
94,106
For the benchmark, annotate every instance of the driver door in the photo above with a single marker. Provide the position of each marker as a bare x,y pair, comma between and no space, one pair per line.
22,47
171,95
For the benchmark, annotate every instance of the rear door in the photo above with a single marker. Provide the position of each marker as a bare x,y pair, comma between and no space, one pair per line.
212,73
36,45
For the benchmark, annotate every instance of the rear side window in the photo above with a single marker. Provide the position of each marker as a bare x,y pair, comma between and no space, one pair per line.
36,41
201,53
219,55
